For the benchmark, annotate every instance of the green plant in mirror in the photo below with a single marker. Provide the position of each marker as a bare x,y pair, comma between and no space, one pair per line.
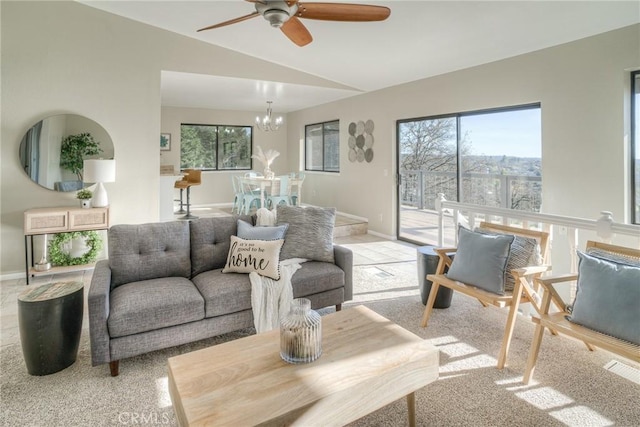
84,194
75,148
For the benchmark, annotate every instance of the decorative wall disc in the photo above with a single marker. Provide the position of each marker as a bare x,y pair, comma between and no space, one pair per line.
361,141
368,127
368,140
368,155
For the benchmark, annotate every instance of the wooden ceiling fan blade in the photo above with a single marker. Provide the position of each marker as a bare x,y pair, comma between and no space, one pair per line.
342,12
231,21
296,32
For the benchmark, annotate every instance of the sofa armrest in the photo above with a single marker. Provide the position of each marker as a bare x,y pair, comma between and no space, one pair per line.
344,259
98,300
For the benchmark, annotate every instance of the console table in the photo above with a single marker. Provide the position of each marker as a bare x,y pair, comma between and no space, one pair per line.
59,220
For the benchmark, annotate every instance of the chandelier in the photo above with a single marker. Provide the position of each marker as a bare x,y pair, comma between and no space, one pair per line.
268,123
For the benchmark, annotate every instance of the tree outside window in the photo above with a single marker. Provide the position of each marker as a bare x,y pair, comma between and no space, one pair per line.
215,147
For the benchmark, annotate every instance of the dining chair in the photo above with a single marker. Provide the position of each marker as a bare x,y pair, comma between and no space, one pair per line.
280,192
237,194
249,197
296,187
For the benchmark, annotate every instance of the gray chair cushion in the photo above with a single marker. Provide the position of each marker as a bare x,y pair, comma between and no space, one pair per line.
153,304
481,260
607,298
249,232
149,251
310,233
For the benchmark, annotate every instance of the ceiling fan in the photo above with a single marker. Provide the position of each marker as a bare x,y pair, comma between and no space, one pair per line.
284,15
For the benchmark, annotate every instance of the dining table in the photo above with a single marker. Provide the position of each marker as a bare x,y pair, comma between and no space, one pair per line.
265,183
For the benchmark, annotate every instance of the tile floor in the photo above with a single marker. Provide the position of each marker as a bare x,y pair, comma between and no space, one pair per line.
367,250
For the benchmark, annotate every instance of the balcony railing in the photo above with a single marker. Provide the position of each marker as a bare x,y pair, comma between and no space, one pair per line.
567,234
420,188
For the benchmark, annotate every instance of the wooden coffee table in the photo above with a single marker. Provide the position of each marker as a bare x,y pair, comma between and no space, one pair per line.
367,362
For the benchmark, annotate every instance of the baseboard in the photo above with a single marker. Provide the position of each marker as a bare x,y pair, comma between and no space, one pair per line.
384,236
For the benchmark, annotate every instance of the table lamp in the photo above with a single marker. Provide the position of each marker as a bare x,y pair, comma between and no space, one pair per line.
99,171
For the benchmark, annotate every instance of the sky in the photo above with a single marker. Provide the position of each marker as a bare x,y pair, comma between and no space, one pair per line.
511,133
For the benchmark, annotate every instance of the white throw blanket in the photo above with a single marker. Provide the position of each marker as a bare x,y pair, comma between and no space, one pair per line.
271,299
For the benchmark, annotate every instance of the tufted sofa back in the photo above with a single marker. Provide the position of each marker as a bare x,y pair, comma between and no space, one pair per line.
149,251
210,241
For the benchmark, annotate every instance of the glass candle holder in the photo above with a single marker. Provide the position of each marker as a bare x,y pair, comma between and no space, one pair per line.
300,333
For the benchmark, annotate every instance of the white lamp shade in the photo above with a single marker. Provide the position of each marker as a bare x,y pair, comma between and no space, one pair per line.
99,170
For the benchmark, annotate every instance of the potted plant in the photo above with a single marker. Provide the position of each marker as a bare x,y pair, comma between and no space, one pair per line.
85,196
76,148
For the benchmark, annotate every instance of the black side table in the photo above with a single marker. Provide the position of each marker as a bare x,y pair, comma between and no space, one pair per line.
50,319
428,264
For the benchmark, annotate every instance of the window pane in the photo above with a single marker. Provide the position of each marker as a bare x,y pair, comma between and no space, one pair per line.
427,161
213,147
234,148
635,144
501,159
332,146
198,146
313,147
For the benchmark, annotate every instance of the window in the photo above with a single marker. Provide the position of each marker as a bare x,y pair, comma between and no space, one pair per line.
490,158
215,147
322,147
635,146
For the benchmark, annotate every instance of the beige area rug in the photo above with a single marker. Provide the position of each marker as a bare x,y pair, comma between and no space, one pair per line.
570,387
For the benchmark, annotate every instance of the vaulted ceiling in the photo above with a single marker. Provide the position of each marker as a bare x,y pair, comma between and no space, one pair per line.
420,39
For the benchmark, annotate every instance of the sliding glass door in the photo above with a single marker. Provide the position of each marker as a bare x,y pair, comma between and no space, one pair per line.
490,158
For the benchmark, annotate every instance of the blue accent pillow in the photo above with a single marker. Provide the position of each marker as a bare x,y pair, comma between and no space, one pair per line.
607,298
525,252
249,232
481,260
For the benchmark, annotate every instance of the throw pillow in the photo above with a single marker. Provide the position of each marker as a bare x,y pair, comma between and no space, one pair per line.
481,260
310,233
249,232
260,256
525,252
607,298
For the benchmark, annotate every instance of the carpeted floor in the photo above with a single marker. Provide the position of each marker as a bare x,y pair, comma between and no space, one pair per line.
570,386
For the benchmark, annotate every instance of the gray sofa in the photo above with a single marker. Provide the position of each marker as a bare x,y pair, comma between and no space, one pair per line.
163,286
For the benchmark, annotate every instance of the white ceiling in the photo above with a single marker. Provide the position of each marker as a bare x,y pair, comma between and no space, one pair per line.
420,39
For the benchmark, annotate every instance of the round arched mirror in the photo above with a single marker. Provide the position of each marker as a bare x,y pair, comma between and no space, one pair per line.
63,139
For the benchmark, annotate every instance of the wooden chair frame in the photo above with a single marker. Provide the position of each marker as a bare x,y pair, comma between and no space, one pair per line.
523,290
558,323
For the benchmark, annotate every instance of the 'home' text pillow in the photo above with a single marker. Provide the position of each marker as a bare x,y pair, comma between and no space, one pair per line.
260,256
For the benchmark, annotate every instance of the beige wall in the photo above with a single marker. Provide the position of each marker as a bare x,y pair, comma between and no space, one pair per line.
216,187
64,57
583,89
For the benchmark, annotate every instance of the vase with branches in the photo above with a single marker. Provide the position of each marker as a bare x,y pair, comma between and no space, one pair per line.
266,158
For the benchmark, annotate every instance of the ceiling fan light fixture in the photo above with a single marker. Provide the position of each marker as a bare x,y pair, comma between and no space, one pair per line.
267,123
276,17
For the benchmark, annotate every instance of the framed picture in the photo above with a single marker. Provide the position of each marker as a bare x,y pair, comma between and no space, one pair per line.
165,141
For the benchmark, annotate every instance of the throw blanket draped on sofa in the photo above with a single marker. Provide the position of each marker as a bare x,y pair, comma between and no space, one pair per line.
271,299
